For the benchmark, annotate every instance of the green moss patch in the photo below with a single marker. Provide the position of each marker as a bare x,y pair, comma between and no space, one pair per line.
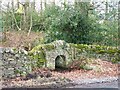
96,48
41,47
38,54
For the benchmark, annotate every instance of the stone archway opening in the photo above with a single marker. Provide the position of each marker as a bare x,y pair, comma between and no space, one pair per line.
60,61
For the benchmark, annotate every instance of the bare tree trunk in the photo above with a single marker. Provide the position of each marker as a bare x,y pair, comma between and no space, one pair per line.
64,3
45,4
119,26
53,2
106,9
6,25
1,25
76,3
21,21
33,5
82,6
13,5
41,5
13,16
17,3
31,21
15,21
7,18
30,25
25,16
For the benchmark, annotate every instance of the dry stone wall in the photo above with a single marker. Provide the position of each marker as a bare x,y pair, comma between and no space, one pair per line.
14,62
58,53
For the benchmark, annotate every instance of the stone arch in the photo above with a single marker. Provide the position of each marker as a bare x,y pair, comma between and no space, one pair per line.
60,61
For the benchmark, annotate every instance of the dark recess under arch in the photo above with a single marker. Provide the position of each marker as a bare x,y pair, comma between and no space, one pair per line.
60,61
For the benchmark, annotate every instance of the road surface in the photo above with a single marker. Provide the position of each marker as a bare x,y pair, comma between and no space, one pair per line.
113,84
103,82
